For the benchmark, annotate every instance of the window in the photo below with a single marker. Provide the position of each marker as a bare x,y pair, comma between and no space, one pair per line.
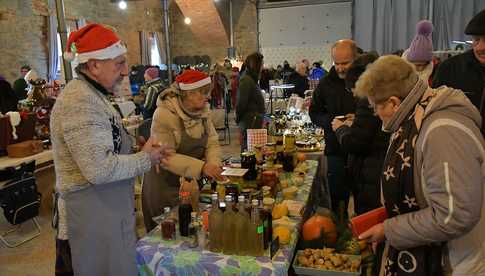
154,51
59,57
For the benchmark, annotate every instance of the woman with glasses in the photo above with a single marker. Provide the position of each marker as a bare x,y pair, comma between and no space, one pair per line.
433,174
182,120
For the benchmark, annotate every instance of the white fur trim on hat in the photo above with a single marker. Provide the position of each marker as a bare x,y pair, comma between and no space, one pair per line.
112,51
195,85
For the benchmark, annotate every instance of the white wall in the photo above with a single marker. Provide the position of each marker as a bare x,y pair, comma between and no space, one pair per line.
295,33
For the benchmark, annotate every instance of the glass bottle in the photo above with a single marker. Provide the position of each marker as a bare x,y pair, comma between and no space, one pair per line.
229,247
267,221
185,208
193,229
216,221
241,234
168,225
256,231
201,234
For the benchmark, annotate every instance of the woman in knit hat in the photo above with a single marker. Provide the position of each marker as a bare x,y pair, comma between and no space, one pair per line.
182,120
420,52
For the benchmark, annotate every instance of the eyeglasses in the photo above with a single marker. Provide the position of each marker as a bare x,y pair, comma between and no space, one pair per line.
205,92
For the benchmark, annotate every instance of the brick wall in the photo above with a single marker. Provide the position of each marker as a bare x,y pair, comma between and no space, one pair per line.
245,33
23,30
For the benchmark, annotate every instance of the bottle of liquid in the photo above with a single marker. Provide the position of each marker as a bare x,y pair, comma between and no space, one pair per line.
168,225
229,247
216,221
193,228
267,220
201,233
185,208
241,232
256,231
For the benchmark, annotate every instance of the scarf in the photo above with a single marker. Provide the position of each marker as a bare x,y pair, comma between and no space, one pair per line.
398,184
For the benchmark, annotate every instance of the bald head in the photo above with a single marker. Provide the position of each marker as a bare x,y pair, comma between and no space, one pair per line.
343,54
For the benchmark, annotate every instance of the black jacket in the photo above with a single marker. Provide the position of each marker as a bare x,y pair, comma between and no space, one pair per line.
300,82
366,145
464,72
8,99
250,103
331,99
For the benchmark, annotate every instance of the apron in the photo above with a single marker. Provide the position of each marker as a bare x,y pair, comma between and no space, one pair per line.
101,221
161,190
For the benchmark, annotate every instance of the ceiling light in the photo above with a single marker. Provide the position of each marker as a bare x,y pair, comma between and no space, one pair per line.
187,20
122,5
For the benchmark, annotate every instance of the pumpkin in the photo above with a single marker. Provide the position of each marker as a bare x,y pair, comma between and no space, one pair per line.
319,226
283,233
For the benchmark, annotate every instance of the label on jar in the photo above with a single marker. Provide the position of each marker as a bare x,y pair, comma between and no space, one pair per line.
260,229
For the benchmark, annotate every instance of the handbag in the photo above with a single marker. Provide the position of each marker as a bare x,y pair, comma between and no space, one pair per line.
20,199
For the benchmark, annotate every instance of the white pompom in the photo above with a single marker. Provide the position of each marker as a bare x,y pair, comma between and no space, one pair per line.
69,56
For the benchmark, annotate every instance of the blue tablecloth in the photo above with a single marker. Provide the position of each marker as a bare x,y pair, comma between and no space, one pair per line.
160,257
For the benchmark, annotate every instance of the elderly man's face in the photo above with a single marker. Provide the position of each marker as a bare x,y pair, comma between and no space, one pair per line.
110,72
479,48
342,59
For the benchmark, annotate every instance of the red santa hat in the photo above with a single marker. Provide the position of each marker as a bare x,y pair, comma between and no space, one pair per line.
93,41
192,79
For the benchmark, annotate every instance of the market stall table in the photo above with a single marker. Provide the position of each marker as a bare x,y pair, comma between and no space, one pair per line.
40,158
160,257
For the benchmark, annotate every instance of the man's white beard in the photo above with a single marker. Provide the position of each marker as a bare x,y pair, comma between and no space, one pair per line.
117,88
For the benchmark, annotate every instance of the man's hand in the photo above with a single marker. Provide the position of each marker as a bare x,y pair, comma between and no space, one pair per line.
158,153
213,171
336,123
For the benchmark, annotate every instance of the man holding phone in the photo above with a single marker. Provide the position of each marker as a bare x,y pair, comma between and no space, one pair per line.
331,99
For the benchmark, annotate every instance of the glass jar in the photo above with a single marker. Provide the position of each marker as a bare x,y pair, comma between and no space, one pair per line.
289,142
168,225
248,161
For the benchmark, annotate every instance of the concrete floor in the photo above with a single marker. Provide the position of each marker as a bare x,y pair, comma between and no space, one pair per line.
36,257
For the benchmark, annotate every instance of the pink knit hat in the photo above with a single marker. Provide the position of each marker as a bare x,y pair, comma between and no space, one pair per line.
153,72
421,48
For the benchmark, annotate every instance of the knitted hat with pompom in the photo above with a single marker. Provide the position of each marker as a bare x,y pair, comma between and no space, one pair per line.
421,48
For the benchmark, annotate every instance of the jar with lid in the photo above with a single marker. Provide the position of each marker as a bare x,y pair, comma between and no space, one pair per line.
289,142
248,161
168,225
269,178
258,151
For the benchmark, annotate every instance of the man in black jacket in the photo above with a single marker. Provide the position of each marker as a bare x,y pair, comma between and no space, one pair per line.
467,71
331,99
365,142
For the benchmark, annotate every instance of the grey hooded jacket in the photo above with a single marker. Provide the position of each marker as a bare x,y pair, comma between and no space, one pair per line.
449,183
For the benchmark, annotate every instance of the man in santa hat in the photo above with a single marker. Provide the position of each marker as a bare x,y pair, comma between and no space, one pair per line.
94,163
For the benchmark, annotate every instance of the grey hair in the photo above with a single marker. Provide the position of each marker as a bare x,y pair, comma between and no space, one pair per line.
388,76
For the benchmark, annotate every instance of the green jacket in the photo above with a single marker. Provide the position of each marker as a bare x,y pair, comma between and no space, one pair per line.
250,107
